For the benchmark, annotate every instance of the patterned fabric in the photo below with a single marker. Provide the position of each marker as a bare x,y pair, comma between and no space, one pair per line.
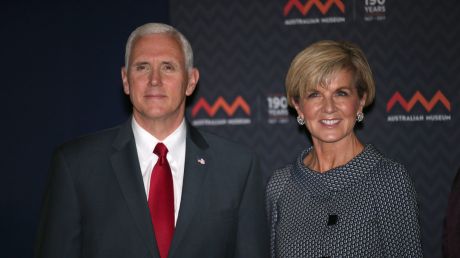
365,208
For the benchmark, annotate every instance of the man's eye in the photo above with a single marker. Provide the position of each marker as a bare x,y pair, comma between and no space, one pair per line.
141,67
168,67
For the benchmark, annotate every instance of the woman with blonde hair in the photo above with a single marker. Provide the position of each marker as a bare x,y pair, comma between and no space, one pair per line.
341,198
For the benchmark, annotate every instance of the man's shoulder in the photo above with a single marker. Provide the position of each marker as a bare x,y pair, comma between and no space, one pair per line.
91,141
215,141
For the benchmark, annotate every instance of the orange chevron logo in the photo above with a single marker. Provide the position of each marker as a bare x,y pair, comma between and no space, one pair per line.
305,8
418,98
221,103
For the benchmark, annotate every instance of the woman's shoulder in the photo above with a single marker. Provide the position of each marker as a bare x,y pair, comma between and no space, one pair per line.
391,173
282,173
382,163
389,168
278,180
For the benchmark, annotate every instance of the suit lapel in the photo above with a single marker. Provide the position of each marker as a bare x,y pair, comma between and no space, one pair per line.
195,168
127,171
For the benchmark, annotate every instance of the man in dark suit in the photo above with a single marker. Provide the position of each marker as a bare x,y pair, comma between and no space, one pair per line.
154,186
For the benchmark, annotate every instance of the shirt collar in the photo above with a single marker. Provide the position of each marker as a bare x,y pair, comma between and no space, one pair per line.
145,142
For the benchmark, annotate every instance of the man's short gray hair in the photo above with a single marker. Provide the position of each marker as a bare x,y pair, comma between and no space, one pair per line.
160,28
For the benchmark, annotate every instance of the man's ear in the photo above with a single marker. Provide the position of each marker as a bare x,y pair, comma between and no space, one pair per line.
193,77
124,79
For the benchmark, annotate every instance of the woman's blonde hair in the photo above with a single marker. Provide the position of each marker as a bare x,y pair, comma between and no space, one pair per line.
315,64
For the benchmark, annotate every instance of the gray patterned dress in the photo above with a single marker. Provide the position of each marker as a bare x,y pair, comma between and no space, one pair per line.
365,208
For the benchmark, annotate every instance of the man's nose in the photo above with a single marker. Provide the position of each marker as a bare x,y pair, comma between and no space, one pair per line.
155,77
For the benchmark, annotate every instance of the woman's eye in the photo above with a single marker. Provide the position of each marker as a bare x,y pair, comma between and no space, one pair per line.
312,94
342,93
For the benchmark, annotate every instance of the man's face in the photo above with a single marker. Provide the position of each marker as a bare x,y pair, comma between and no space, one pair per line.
157,81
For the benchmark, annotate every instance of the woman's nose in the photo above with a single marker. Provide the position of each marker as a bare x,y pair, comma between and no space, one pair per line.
328,104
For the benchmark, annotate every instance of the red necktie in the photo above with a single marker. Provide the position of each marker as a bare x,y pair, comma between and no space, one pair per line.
161,201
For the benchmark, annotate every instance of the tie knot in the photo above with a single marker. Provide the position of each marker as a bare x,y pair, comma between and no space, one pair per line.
160,150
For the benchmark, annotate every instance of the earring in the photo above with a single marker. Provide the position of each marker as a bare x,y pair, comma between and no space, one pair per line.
359,116
300,120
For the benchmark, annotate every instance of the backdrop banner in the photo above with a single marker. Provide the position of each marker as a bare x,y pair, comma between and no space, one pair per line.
243,50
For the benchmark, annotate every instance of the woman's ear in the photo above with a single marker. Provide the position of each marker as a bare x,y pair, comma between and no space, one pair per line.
362,102
295,102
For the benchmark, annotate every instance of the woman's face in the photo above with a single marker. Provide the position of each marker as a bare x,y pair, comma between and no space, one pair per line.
330,111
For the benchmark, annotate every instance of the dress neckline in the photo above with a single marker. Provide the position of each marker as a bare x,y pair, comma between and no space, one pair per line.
338,178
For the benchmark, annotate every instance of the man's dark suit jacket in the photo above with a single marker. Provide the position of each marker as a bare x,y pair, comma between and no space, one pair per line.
95,204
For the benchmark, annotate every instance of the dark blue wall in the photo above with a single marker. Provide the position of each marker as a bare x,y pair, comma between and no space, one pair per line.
60,78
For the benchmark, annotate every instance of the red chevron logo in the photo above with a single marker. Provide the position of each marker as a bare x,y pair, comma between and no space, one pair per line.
305,8
219,104
418,98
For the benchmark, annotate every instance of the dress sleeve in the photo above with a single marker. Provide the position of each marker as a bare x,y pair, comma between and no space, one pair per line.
273,191
397,211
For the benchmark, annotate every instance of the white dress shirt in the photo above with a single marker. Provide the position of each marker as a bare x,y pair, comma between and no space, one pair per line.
175,142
